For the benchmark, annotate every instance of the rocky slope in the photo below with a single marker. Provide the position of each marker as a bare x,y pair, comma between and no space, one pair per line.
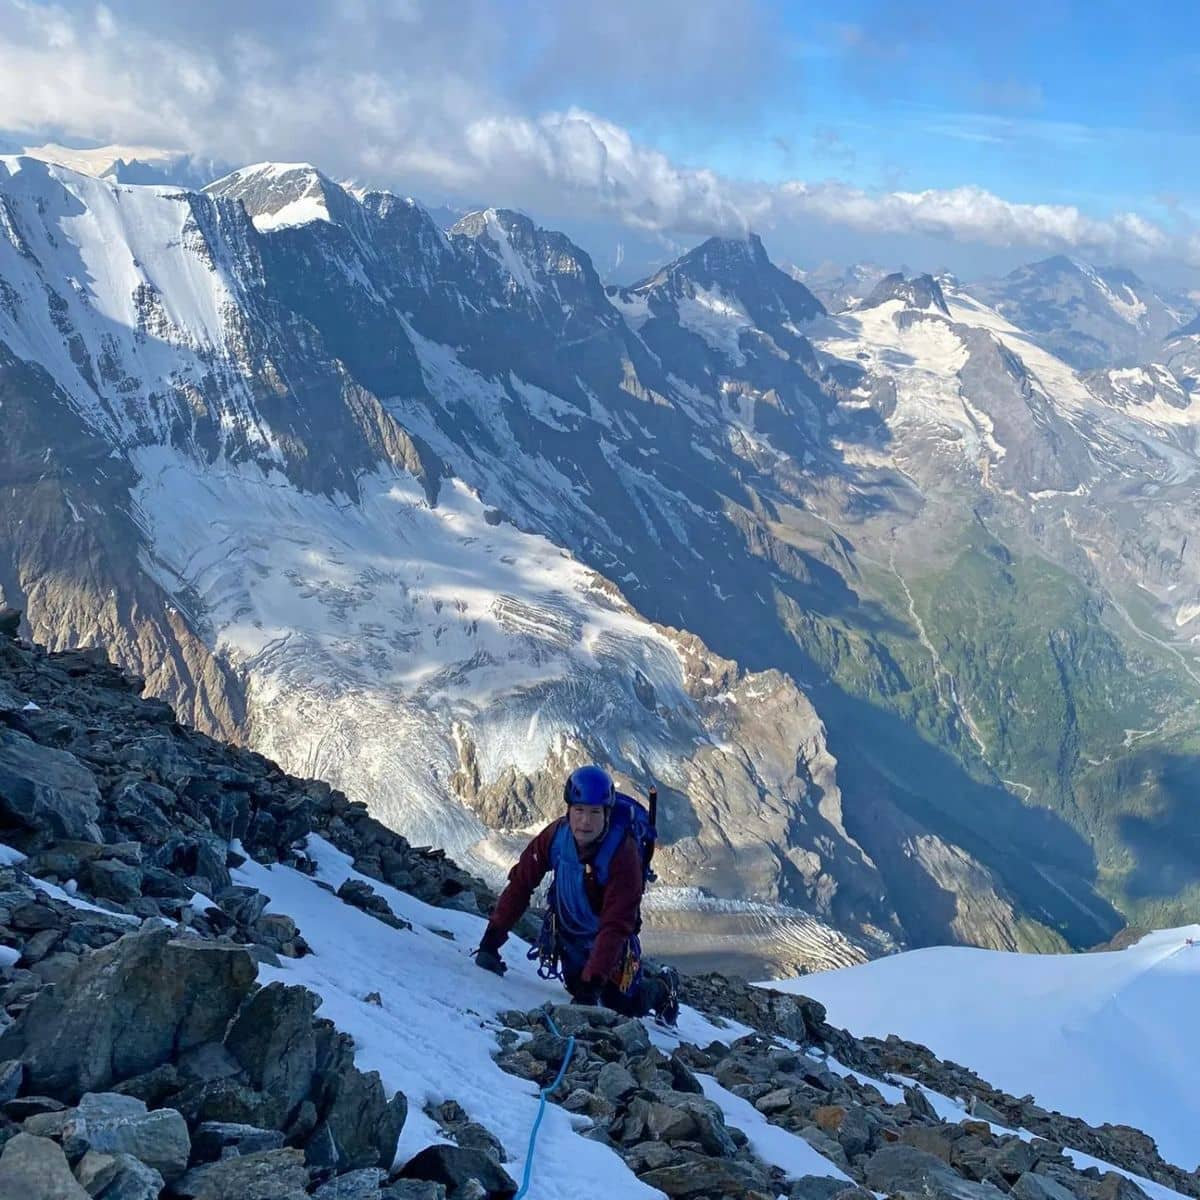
141,1059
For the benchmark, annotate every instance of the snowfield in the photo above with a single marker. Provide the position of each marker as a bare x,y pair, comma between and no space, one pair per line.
434,1032
1105,1037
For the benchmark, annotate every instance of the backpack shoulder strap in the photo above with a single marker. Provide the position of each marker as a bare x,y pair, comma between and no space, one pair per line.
614,839
556,842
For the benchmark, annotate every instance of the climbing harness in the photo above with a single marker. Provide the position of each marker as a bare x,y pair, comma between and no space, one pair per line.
562,1070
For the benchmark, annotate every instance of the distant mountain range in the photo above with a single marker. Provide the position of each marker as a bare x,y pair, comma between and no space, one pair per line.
895,606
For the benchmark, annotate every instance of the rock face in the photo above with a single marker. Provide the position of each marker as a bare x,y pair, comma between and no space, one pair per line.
127,1009
42,788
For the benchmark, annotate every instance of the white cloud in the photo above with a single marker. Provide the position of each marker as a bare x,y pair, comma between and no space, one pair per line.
412,96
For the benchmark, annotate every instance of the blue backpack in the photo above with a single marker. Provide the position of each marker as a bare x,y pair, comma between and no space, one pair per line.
628,815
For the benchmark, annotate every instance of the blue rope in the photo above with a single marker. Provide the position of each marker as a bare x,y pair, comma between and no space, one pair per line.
542,1106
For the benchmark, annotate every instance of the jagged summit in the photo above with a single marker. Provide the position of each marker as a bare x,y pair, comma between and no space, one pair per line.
282,194
724,286
725,254
532,257
922,291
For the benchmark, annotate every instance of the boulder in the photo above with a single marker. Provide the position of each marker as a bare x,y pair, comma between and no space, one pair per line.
244,904
199,856
127,1009
215,1140
363,1123
822,1187
899,1168
115,1124
272,1040
615,1082
108,879
413,1189
704,1177
47,790
454,1166
12,1078
118,1177
362,895
271,1175
35,1168
1040,1187
354,1185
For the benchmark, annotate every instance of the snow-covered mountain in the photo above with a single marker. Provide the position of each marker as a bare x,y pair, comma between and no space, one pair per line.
892,604
1089,316
1109,1036
327,588
131,164
840,287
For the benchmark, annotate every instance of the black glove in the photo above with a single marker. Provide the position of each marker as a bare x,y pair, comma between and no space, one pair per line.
489,960
586,992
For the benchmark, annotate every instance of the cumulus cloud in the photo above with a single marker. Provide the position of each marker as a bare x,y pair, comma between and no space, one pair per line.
424,98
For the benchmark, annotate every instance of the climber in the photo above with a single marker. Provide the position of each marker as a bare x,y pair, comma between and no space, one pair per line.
599,853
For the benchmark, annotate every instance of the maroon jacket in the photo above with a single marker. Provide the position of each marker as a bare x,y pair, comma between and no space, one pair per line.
616,903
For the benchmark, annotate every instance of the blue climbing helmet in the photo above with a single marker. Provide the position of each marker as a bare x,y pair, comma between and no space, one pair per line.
590,785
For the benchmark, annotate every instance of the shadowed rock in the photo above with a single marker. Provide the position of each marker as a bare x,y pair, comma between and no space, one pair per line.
127,1009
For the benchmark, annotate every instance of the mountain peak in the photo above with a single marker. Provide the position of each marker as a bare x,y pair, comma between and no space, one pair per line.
741,267
921,291
718,255
532,257
282,194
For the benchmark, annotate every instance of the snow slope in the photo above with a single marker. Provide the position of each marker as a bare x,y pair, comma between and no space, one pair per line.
1106,1037
433,1034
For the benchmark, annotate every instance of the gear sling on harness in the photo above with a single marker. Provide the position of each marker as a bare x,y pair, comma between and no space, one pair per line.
570,926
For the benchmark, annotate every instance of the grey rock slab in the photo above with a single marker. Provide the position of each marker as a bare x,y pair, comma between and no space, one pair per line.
775,1101
615,1082
47,789
822,1187
413,1189
12,1076
118,1177
704,1177
272,1039
127,1009
214,1140
632,1036
114,1124
478,1137
272,1175
35,1168
898,1168
1040,1187
354,1185
454,1166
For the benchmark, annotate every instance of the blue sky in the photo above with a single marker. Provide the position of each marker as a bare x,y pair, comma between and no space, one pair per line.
962,134
1094,104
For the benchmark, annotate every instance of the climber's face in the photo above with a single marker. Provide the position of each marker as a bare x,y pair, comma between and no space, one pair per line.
587,823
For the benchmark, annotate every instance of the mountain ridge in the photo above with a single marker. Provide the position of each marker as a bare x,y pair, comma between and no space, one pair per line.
710,442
